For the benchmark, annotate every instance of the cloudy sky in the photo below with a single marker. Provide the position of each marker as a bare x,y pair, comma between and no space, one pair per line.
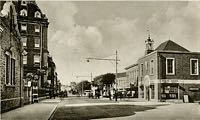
78,30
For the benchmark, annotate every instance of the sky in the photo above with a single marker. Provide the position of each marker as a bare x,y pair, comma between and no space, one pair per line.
78,30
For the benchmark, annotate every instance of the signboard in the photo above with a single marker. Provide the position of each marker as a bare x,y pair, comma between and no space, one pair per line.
169,81
186,98
194,89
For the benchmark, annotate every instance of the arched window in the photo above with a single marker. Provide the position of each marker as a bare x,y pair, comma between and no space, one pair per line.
37,14
23,12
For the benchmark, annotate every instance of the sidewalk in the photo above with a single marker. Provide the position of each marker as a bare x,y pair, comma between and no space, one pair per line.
36,111
183,111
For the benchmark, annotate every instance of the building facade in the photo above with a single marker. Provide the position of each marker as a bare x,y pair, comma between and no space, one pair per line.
10,58
132,79
122,83
170,72
33,27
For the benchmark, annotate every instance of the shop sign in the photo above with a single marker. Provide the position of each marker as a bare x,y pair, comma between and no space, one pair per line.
169,81
194,89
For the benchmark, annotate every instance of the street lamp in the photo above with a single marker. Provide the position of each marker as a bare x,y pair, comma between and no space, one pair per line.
116,59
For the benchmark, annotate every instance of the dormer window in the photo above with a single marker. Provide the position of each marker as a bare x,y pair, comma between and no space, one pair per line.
37,14
23,12
24,3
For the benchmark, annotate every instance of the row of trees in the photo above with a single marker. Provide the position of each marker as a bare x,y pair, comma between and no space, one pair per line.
104,80
99,82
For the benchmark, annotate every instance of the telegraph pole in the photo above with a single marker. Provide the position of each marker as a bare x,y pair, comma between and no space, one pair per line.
116,79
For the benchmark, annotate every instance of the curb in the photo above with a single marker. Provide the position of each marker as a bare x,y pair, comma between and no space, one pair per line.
53,111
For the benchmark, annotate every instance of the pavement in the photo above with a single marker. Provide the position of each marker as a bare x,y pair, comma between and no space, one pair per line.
36,111
182,111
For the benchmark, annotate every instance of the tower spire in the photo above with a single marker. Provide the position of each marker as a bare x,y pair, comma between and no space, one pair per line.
149,43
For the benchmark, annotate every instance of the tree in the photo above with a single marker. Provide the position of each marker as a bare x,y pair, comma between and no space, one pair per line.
108,79
83,85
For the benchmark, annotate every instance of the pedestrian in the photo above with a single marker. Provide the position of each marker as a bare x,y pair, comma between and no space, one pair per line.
109,93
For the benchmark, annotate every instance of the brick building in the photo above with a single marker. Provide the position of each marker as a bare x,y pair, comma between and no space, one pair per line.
169,72
10,58
33,27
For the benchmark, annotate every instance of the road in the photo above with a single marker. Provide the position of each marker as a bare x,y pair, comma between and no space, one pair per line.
77,108
85,109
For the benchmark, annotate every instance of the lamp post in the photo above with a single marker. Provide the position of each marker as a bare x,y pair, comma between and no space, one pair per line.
116,59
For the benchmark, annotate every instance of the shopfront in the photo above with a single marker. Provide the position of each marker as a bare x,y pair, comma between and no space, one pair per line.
169,91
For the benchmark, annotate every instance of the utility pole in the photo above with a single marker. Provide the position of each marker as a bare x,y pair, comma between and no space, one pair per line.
116,78
116,59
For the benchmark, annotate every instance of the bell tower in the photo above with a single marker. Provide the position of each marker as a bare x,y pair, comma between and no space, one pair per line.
149,44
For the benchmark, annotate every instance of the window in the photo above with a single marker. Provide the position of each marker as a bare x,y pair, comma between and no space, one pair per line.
23,12
24,41
23,26
194,67
170,66
24,60
9,69
12,81
37,28
37,59
146,65
23,3
151,67
37,42
142,69
37,14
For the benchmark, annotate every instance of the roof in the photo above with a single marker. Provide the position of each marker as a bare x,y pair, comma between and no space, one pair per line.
171,46
119,75
133,65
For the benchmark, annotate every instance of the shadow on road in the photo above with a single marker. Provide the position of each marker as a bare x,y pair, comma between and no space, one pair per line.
95,112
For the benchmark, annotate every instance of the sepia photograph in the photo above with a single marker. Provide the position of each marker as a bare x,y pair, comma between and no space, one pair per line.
99,60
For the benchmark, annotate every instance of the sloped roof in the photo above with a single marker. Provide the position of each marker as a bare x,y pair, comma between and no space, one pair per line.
119,75
171,46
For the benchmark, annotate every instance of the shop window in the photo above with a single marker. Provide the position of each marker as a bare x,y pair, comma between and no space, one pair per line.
151,67
23,12
23,26
24,41
37,42
194,67
170,66
37,14
24,60
37,28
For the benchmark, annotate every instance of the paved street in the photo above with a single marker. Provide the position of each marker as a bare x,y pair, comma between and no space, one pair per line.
84,109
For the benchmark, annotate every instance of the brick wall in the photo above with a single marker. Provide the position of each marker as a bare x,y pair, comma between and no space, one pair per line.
10,94
182,65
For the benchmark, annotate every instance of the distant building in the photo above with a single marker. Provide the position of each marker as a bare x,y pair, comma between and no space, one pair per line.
132,79
168,73
122,83
10,58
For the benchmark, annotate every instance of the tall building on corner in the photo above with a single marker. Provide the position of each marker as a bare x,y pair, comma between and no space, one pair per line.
33,27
